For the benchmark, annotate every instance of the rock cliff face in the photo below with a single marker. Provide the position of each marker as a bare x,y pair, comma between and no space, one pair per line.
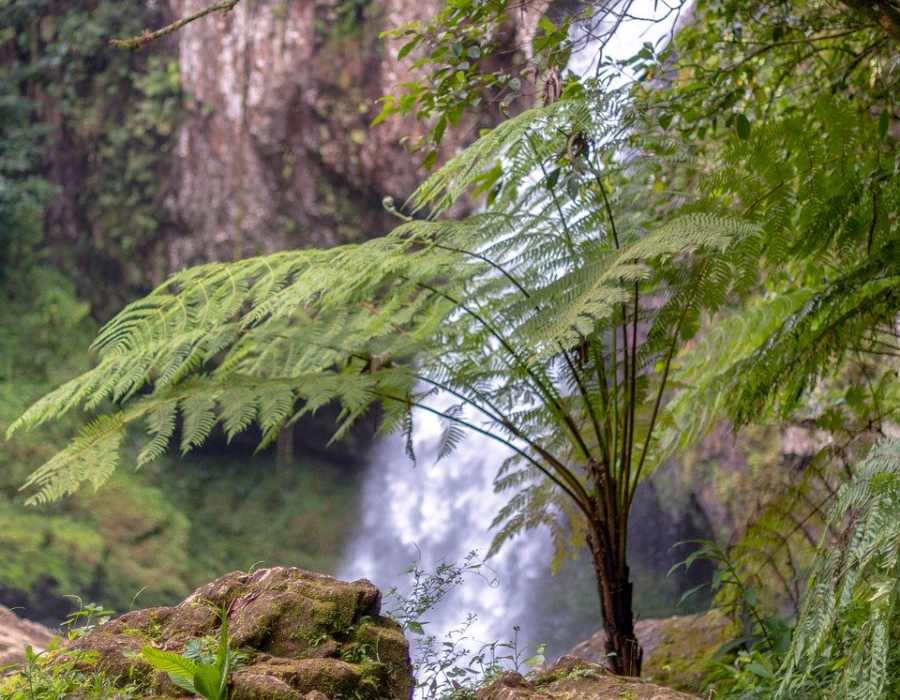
274,149
242,133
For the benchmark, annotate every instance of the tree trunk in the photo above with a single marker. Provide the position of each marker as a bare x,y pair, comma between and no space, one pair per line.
624,654
284,449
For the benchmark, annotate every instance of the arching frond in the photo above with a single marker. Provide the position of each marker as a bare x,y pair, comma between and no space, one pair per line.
854,590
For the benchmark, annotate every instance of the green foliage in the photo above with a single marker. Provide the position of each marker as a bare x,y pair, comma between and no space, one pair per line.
844,641
455,54
738,65
225,497
245,341
848,622
827,208
520,323
554,320
56,673
195,671
23,192
104,119
44,677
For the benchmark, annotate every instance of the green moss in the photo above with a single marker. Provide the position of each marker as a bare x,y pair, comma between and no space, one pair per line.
687,647
56,552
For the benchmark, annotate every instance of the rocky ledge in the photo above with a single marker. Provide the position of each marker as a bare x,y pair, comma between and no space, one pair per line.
16,634
305,636
300,634
576,679
678,650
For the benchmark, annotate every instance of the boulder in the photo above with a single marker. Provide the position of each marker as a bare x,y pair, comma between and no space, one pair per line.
576,679
677,649
16,634
301,635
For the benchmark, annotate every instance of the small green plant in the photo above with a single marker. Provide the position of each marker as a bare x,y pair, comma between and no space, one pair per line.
49,675
357,653
315,640
85,619
746,666
57,672
738,598
197,670
455,665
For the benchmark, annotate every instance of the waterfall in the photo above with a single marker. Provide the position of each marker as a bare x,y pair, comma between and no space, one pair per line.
429,513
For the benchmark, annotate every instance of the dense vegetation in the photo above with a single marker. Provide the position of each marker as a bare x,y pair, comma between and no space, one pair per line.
85,152
705,232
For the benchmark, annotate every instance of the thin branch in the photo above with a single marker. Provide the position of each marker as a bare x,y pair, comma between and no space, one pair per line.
141,40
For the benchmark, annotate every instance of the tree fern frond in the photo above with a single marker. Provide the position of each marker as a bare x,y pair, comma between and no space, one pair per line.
161,424
91,457
199,420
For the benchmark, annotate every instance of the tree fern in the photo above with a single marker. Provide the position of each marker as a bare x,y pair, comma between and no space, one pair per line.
553,317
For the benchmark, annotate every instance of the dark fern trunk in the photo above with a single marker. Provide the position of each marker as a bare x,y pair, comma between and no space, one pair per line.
624,655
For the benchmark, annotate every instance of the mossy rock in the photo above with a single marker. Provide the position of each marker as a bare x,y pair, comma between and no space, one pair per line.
300,633
677,650
576,679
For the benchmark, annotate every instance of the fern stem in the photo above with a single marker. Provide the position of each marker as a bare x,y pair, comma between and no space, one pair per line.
581,501
521,288
548,393
627,427
603,387
633,404
659,394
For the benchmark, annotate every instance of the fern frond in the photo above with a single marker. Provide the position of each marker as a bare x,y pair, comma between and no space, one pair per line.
91,457
861,572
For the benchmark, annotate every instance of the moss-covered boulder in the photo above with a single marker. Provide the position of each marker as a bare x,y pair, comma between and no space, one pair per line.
299,634
677,650
576,679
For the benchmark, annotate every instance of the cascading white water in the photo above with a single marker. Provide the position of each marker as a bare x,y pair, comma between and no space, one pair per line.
432,513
